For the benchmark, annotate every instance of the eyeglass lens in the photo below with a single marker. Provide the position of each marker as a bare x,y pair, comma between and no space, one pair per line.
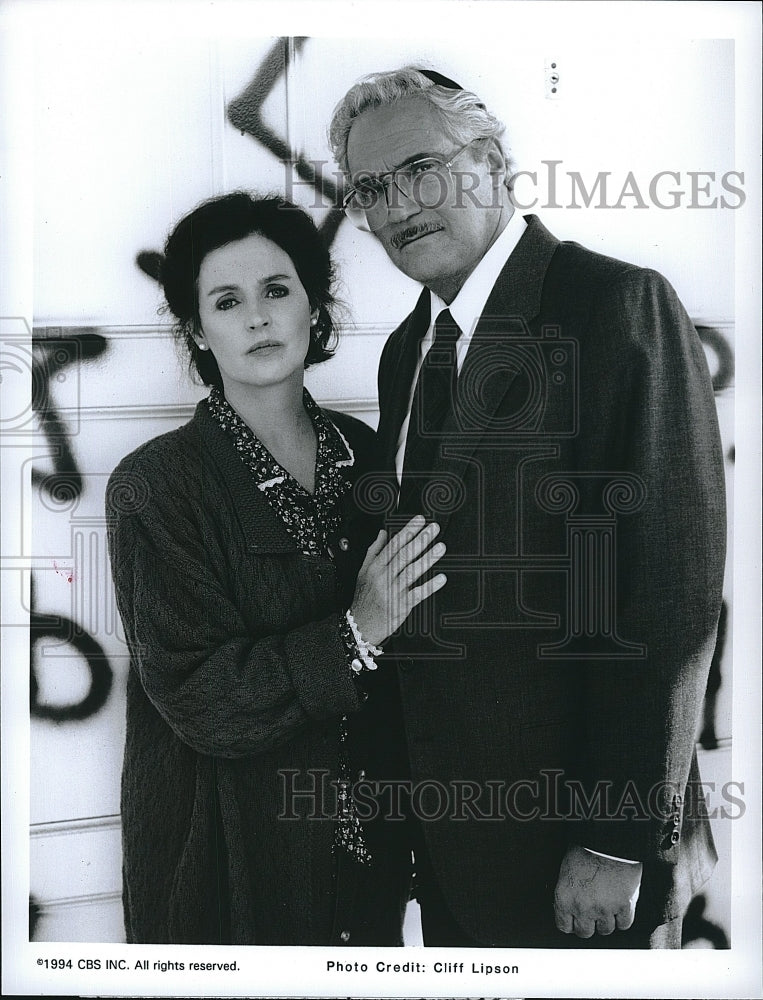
425,182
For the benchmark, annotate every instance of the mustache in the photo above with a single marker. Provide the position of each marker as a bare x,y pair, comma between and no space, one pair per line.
412,232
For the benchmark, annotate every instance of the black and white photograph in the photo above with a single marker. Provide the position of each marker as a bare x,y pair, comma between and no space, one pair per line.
380,445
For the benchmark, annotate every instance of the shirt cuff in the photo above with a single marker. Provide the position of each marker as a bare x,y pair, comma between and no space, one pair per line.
358,659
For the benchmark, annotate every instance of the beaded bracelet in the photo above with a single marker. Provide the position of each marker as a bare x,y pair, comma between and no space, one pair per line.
366,650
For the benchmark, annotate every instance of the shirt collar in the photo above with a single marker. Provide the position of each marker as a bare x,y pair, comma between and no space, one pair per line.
470,302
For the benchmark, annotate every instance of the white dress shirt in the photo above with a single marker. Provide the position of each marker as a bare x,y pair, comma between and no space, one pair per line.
466,309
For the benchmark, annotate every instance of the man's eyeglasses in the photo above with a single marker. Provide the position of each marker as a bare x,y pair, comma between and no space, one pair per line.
425,181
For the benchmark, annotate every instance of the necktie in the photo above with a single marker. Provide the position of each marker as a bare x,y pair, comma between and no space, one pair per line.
431,404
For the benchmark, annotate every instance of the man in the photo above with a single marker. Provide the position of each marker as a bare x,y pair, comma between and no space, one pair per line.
552,410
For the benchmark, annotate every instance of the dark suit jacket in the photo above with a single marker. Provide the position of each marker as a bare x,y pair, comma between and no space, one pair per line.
552,688
238,672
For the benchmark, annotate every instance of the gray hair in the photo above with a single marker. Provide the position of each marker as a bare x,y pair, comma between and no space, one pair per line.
461,113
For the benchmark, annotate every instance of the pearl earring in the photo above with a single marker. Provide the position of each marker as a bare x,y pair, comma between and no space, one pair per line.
202,347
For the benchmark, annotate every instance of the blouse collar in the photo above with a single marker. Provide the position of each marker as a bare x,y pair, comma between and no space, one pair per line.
334,450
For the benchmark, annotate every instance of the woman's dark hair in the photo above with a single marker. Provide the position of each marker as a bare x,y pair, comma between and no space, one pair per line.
224,220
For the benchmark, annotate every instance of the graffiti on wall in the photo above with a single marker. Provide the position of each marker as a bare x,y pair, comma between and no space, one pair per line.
245,113
53,351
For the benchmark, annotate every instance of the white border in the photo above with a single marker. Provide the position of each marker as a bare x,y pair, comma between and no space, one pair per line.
291,972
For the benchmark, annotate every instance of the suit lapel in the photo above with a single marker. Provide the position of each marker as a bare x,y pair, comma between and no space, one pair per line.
400,379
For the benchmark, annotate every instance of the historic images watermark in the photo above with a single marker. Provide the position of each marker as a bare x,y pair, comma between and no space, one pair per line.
551,796
550,187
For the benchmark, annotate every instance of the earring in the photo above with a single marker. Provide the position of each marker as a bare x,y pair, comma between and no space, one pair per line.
314,321
203,347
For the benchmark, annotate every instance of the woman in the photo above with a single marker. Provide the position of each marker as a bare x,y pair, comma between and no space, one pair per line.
254,608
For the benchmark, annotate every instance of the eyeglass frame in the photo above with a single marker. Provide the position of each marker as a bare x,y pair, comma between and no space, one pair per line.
384,180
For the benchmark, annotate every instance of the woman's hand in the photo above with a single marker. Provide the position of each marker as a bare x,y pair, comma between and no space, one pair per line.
386,591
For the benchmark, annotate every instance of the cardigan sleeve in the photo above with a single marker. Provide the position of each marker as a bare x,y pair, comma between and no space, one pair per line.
223,691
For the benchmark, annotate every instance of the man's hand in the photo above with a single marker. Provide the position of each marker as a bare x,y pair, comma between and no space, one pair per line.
595,894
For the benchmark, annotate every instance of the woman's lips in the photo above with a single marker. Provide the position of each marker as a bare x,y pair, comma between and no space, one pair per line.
267,347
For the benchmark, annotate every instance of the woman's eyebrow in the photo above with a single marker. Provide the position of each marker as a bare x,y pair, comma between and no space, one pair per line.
276,277
263,281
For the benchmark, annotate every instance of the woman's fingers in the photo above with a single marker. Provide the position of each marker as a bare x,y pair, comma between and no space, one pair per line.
412,547
375,548
418,567
418,594
403,537
387,587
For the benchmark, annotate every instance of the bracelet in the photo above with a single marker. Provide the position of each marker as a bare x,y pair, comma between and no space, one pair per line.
366,650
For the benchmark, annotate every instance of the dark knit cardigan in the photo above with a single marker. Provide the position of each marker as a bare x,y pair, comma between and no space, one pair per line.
237,682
